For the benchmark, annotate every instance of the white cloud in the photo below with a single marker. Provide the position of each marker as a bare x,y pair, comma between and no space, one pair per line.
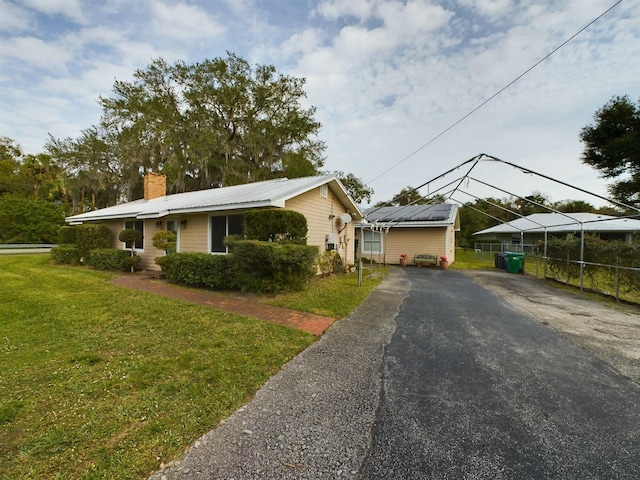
334,9
71,9
184,22
489,8
13,18
414,19
33,52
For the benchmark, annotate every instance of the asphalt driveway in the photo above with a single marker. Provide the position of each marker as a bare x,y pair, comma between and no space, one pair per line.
432,377
474,389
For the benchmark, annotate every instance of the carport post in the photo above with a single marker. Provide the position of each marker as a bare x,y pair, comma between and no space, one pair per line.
544,275
581,256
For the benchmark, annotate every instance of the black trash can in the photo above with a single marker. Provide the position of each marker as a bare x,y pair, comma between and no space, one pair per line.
500,260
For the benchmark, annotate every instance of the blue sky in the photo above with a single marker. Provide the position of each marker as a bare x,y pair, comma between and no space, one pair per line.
385,76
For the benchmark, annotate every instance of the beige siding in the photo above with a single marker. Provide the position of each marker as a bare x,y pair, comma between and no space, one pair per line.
194,237
148,252
321,214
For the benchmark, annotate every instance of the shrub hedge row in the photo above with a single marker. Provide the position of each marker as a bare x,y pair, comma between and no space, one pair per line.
89,243
273,267
92,236
199,270
596,251
252,267
66,254
112,259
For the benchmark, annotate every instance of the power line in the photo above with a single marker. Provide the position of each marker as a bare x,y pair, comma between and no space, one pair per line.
497,93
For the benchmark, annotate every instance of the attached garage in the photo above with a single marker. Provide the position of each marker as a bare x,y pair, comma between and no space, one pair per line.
389,232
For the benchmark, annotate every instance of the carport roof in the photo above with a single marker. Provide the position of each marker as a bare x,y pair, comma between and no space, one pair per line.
568,222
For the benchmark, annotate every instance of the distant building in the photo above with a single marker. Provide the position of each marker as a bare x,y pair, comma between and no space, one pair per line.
530,229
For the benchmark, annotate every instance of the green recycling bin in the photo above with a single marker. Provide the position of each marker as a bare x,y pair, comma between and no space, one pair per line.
515,262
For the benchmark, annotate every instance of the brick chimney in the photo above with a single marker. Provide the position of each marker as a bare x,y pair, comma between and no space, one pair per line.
155,185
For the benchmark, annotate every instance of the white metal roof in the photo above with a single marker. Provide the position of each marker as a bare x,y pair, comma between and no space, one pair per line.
568,222
270,193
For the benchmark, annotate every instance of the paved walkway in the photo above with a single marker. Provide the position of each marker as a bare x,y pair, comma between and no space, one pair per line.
308,322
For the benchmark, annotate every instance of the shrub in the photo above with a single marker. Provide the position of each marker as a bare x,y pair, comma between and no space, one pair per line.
109,259
199,270
92,236
67,235
597,252
330,262
275,225
273,267
165,240
66,254
132,264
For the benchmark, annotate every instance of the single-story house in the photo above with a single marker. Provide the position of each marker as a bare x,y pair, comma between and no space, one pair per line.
203,218
388,232
530,229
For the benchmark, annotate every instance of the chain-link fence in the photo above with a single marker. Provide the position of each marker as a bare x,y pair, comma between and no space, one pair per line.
613,278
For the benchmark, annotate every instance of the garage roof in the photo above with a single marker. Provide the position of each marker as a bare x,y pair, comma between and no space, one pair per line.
413,215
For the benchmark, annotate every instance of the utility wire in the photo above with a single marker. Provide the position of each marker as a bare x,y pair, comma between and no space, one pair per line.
497,93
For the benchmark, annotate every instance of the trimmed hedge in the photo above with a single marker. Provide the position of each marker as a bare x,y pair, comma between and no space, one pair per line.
92,236
67,254
111,259
273,267
67,235
275,225
252,267
199,270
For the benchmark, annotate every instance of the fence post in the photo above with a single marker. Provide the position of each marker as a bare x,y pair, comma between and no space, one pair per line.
568,264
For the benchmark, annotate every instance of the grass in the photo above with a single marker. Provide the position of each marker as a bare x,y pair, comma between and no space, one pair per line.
97,381
467,259
334,296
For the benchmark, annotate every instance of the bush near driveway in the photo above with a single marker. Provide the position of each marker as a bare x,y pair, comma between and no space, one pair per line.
273,267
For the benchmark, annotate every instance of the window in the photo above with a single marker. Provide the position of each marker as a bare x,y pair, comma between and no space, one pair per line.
371,242
138,225
323,191
172,226
221,227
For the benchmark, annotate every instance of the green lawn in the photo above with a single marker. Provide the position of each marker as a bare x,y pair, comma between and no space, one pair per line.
97,381
335,296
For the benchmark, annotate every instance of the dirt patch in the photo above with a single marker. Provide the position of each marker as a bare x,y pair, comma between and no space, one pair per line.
612,334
